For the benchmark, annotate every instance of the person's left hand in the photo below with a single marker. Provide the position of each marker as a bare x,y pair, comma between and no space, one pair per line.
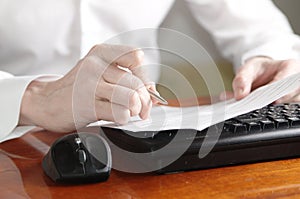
259,71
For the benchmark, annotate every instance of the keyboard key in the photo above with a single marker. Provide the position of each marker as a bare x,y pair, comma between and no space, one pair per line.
234,127
294,121
249,119
288,115
281,123
244,116
275,117
256,115
278,107
262,111
291,106
267,124
253,126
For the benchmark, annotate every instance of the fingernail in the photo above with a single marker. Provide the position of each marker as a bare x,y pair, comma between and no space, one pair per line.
240,91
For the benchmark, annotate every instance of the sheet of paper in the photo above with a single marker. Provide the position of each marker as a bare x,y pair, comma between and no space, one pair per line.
201,117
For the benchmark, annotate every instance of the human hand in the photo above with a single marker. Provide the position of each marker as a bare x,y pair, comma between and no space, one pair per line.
97,88
259,71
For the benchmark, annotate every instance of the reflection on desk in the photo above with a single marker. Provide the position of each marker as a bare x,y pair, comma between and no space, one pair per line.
21,176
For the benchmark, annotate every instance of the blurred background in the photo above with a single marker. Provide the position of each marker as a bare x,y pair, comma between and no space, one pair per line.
181,19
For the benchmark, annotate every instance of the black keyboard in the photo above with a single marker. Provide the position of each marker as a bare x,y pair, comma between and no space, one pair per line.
269,133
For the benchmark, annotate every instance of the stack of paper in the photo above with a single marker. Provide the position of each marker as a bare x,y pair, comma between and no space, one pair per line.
201,117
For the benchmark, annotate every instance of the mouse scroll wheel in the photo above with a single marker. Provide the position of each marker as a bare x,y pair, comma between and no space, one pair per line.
82,156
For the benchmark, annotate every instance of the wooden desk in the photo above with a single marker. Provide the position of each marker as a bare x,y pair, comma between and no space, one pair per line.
21,174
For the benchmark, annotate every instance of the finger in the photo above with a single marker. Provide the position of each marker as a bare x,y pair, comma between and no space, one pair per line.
226,95
120,95
291,97
296,98
118,76
285,69
124,56
112,112
146,104
242,83
256,72
142,73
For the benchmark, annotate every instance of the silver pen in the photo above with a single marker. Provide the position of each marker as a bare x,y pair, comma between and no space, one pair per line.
158,97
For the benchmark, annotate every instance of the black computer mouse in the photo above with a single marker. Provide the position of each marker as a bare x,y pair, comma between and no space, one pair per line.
78,158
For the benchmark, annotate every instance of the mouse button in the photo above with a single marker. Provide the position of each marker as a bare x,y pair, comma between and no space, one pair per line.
64,157
99,154
82,156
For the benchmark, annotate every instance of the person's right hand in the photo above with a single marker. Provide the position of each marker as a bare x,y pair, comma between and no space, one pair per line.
259,71
95,89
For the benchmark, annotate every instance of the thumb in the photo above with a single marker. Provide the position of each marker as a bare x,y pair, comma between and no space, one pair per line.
242,83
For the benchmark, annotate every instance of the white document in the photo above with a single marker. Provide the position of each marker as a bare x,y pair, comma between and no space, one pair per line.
201,117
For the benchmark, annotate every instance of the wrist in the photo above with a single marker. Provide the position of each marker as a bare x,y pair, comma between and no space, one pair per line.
31,103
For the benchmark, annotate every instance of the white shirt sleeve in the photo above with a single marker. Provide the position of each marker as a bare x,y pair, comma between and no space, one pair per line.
12,89
248,28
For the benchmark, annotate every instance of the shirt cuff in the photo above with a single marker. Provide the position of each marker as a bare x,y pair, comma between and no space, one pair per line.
12,89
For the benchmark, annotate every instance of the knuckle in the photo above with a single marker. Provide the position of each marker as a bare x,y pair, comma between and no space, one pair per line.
94,64
93,49
137,57
90,60
97,47
123,116
99,50
133,99
136,83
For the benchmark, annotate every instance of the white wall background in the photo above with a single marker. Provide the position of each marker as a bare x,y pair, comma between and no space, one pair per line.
180,19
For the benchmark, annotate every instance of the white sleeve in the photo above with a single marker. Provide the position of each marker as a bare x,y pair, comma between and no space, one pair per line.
248,28
12,90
